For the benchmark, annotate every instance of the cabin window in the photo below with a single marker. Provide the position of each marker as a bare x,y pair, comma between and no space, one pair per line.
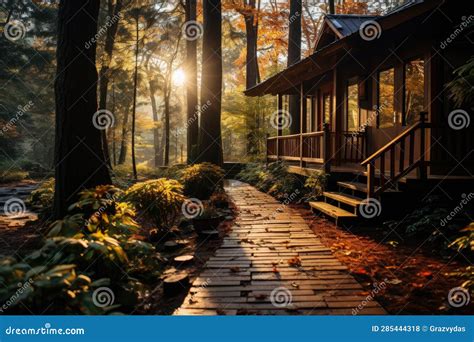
308,101
386,99
353,107
414,90
327,108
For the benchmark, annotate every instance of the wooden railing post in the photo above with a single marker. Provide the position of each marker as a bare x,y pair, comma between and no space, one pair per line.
302,123
370,179
268,143
422,174
326,147
279,128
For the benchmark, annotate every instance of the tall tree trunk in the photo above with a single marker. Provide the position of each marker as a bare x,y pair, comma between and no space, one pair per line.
79,161
294,55
252,72
124,137
134,109
154,109
332,8
210,137
251,30
167,118
191,87
114,13
114,142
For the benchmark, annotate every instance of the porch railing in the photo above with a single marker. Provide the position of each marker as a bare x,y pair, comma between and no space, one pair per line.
401,156
322,147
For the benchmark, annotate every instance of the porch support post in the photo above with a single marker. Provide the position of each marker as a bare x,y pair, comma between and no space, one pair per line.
303,114
422,174
326,148
279,124
370,179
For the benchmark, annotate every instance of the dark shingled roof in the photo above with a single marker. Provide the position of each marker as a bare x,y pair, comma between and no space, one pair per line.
347,24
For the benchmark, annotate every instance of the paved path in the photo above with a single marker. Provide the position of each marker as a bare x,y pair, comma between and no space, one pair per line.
272,263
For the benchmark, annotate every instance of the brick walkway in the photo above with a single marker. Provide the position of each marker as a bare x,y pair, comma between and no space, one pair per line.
272,263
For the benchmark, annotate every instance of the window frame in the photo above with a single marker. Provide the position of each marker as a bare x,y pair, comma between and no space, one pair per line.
391,67
352,82
420,58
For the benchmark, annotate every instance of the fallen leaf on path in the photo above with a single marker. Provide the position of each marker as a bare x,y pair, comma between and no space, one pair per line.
295,262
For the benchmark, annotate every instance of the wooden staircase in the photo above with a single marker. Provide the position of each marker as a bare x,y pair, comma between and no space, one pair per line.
387,169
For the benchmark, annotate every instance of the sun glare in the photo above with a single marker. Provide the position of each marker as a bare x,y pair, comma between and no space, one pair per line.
179,77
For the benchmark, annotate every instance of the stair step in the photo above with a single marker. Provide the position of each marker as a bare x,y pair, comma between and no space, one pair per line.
353,186
331,210
378,174
343,198
362,187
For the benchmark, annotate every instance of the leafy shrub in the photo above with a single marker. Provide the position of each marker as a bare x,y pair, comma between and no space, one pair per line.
466,241
84,251
273,179
55,288
201,180
159,199
315,185
10,176
429,221
251,173
42,197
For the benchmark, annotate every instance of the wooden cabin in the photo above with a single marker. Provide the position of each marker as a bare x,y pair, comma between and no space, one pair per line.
374,106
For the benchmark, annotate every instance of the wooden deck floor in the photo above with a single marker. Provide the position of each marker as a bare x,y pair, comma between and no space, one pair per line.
273,264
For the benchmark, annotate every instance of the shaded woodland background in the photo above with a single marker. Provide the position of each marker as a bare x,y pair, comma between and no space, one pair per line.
254,47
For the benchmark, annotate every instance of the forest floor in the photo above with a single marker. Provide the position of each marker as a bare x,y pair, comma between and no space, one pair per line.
417,280
19,232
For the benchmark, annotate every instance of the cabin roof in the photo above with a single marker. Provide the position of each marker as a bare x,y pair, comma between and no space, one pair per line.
346,27
346,24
